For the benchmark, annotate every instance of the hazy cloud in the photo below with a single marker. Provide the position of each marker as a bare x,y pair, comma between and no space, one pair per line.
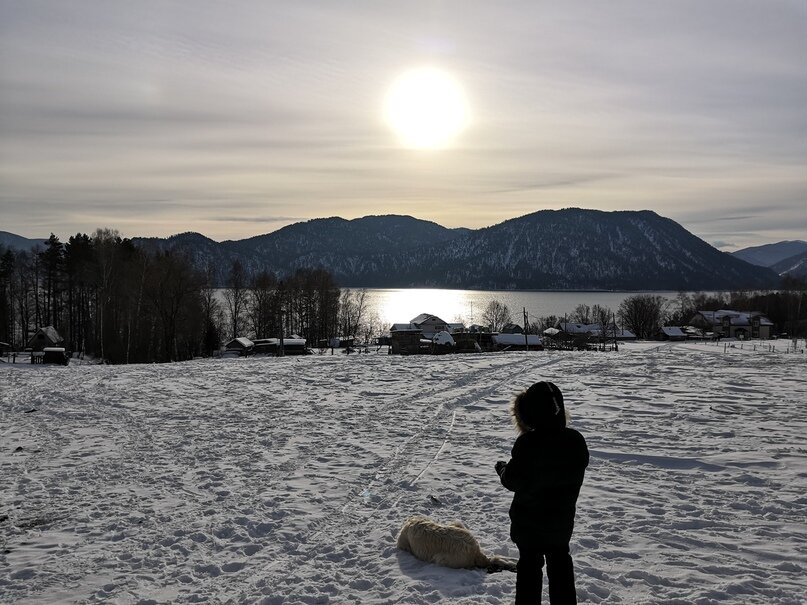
156,117
721,244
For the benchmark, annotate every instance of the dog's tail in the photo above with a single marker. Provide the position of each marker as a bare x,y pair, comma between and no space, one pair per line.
495,563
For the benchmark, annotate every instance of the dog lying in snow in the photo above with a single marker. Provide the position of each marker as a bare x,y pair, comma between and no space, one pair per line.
450,545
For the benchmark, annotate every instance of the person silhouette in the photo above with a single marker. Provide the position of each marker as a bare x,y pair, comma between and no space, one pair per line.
546,470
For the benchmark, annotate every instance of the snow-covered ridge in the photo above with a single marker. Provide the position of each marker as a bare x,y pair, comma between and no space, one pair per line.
564,249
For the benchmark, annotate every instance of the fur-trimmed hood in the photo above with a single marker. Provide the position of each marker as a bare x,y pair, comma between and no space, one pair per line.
539,408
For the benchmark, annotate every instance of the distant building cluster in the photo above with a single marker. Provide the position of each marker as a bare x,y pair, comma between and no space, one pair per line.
429,334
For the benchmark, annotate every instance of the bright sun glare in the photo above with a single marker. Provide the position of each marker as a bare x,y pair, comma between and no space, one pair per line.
427,108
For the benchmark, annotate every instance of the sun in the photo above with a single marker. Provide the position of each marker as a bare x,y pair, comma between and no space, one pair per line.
427,108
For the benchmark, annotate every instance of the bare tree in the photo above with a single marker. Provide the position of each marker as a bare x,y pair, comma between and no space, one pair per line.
352,311
604,317
581,314
211,312
174,290
496,315
235,297
542,323
642,314
24,292
371,327
261,306
106,243
679,310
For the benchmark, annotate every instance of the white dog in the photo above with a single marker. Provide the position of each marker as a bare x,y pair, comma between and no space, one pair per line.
450,545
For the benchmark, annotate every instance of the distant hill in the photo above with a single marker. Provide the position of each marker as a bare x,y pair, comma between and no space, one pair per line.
334,243
574,249
17,242
794,266
768,255
550,249
570,249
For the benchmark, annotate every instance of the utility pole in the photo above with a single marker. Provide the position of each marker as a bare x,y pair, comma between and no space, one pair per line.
526,338
280,352
616,346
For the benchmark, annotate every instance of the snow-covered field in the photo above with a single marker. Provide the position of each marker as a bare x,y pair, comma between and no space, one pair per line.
284,481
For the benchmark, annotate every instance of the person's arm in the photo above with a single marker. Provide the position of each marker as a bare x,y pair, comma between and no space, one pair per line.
512,474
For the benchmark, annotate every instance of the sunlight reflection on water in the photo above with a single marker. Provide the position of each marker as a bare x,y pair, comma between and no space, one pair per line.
467,306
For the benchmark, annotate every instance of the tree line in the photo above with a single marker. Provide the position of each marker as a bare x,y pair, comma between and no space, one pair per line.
115,301
646,314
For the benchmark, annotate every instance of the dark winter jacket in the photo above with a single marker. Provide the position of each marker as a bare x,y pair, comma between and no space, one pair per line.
545,472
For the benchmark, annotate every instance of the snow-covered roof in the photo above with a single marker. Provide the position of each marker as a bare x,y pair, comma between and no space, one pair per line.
424,317
736,318
456,327
408,327
50,333
673,331
551,331
242,341
577,328
516,339
288,340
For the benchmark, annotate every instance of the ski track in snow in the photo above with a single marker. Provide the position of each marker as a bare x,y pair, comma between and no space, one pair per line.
285,481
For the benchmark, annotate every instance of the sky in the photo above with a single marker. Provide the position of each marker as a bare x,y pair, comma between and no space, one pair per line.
236,118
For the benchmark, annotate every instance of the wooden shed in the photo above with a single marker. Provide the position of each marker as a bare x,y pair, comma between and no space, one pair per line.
241,345
45,337
405,339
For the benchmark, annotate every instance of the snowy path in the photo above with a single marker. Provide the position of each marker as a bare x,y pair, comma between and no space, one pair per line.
285,481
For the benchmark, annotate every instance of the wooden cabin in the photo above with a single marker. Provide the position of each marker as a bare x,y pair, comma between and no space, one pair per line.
405,339
430,325
45,337
241,345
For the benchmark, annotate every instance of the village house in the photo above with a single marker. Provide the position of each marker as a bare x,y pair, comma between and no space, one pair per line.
518,341
292,345
621,334
241,345
430,325
511,329
726,323
672,333
405,339
427,333
579,329
45,337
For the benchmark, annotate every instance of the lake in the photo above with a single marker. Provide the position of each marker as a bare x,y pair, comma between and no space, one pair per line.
467,306
399,305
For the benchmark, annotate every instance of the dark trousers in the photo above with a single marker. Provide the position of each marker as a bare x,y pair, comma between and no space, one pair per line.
559,572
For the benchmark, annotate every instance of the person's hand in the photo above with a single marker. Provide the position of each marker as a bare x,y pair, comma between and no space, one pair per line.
500,467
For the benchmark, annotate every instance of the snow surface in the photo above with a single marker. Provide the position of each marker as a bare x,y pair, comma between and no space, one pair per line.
285,481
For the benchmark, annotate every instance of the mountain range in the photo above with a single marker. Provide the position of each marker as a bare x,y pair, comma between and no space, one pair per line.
17,242
574,249
785,258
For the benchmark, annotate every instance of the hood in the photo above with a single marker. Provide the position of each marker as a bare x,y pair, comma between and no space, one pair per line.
539,408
